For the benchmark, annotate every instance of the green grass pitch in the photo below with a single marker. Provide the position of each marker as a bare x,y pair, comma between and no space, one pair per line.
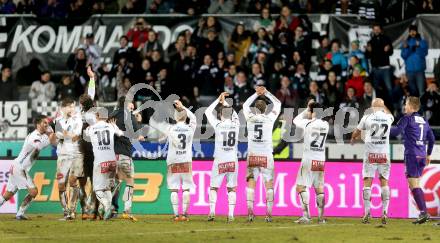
160,228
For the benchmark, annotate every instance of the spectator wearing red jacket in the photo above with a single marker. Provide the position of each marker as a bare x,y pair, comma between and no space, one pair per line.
138,34
356,82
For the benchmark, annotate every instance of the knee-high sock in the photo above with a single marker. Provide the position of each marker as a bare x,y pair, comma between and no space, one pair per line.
63,200
420,199
83,199
385,195
320,202
366,194
250,194
269,201
25,205
232,200
304,196
73,197
105,198
175,202
2,200
185,201
128,198
212,201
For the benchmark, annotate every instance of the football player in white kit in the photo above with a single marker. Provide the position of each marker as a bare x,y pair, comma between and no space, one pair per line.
377,126
179,158
68,127
101,135
19,177
260,158
225,153
311,172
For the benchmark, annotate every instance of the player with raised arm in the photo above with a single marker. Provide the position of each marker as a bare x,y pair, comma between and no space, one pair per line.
19,177
311,172
377,126
416,134
260,158
101,135
179,158
68,127
225,153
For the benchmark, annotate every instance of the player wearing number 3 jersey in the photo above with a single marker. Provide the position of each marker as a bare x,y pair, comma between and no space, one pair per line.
416,134
311,172
377,126
225,153
260,157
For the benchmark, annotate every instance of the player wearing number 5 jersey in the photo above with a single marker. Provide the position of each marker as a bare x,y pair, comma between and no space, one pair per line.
101,135
225,153
416,134
377,126
260,158
311,172
179,157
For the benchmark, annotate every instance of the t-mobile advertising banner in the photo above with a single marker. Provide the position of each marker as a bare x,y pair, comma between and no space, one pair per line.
11,205
343,191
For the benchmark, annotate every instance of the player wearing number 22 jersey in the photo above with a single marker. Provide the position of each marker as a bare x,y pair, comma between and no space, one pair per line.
260,148
416,134
225,153
311,172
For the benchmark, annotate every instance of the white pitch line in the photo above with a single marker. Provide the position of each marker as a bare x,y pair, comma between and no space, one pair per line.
71,236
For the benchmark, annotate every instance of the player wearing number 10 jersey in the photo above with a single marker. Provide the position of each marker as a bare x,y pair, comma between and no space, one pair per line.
377,126
260,157
311,172
416,134
225,154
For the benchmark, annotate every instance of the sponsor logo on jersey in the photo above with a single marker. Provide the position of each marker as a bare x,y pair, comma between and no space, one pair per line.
226,167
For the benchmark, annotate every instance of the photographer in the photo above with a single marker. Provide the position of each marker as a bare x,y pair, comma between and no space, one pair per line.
414,51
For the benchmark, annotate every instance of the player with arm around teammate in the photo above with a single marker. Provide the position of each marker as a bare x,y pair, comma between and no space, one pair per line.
377,126
311,172
260,148
225,154
416,134
19,177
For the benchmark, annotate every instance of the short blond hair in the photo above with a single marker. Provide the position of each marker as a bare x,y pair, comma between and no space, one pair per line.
414,102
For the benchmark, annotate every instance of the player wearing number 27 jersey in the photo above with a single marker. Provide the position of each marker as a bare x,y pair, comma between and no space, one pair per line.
225,153
311,172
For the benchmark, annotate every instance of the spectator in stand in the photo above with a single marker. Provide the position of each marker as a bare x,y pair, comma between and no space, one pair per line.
157,63
25,7
400,94
286,94
209,82
42,90
414,52
221,7
324,71
7,7
379,49
350,99
77,63
318,96
296,59
368,9
332,90
177,49
161,83
301,82
8,87
360,55
138,34
260,42
356,81
257,77
265,21
428,6
204,26
430,101
345,7
129,8
151,45
242,91
276,73
303,45
239,42
79,9
27,74
160,7
323,49
338,59
123,83
93,51
184,73
192,7
287,21
66,89
368,96
353,61
211,46
125,51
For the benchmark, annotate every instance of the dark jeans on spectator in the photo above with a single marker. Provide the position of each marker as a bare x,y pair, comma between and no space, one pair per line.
416,82
383,76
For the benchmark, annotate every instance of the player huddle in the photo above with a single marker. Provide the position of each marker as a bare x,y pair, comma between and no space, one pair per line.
79,159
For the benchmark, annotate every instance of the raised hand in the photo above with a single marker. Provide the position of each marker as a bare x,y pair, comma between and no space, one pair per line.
90,72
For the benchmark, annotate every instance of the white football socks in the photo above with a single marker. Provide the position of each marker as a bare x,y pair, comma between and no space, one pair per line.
250,194
385,194
175,202
269,201
128,198
232,199
212,201
320,203
304,196
367,199
185,198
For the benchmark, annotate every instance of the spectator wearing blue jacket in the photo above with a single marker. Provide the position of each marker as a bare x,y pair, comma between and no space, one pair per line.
414,51
355,51
339,60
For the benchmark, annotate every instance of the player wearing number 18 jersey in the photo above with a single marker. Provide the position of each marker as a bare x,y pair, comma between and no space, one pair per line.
416,134
225,153
260,148
377,126
311,172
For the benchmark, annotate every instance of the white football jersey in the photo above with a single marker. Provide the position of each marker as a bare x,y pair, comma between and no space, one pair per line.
315,136
260,126
72,125
180,139
377,127
102,138
32,145
226,135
